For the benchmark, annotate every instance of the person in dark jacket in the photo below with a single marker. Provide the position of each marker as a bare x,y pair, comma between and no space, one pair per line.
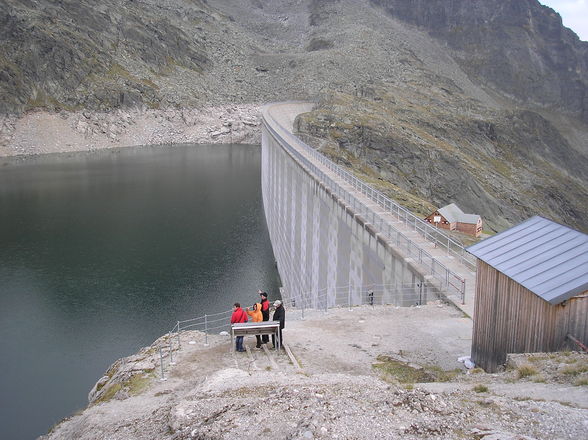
238,317
265,313
279,315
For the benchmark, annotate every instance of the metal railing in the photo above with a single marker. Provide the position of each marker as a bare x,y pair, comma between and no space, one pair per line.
449,280
206,324
370,294
320,301
416,224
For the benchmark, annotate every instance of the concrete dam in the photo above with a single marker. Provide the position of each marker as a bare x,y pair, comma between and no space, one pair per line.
337,241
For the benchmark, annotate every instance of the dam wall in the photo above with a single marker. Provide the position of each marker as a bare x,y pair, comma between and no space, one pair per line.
328,252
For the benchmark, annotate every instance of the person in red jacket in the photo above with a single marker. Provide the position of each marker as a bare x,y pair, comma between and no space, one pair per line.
238,317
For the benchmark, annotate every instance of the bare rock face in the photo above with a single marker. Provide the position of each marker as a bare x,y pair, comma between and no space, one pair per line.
518,47
75,54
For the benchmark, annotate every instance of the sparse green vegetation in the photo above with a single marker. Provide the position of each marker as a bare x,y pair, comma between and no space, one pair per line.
135,385
574,370
110,393
138,383
526,371
480,388
581,382
397,371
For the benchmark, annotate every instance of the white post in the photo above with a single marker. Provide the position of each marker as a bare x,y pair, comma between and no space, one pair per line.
205,330
161,361
349,297
171,350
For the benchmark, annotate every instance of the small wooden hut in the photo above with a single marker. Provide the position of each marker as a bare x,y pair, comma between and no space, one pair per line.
452,218
531,291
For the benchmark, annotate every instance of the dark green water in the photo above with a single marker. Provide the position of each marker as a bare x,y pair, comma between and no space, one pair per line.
101,253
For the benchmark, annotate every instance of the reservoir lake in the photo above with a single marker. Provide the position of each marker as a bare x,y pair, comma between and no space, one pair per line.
102,252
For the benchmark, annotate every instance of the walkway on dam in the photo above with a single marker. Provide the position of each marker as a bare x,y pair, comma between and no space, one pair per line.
281,116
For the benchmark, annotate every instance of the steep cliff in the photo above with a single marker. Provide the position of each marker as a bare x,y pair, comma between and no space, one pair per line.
518,47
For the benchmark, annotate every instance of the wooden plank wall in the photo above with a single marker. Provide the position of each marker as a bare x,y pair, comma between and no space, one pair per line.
508,318
573,319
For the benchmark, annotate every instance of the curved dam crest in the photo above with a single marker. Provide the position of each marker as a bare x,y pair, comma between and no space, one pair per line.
327,252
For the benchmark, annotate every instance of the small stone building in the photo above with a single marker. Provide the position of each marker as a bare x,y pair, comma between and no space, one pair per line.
454,219
531,291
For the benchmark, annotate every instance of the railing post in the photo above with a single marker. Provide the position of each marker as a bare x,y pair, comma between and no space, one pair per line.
161,361
349,297
205,330
171,350
179,343
302,306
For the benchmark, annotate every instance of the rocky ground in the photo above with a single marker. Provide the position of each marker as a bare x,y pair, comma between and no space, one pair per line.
366,372
42,132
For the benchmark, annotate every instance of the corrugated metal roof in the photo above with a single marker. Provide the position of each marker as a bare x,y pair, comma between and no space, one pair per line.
453,214
547,258
469,218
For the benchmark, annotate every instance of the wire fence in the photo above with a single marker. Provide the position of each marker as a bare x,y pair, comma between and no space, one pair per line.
319,301
383,218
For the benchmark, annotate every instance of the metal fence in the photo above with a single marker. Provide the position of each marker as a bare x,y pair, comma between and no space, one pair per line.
446,279
206,324
321,301
371,294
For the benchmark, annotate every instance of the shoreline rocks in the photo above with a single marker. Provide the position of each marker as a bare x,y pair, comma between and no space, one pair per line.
44,132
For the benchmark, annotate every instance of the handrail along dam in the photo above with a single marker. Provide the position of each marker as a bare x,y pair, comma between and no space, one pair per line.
338,241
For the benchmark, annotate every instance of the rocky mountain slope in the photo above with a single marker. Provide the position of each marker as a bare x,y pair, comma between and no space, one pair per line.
517,47
434,101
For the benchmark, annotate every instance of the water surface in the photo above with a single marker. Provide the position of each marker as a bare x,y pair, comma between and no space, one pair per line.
101,253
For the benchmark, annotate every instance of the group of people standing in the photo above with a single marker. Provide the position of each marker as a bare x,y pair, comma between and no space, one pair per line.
260,312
